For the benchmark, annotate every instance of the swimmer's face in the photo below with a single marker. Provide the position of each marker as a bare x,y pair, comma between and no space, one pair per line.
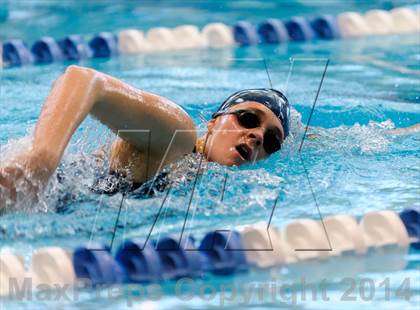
230,143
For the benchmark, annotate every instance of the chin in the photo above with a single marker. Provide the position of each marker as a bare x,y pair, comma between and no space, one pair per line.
225,162
233,162
228,159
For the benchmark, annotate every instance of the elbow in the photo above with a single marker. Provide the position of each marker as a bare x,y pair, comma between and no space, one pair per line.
85,77
75,68
78,71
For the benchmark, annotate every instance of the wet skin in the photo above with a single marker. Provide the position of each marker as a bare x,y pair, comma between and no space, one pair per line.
229,143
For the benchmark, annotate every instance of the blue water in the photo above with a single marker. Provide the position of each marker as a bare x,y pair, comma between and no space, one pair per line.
354,164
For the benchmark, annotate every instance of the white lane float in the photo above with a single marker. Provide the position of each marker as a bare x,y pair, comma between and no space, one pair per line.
380,22
405,20
132,41
161,39
264,247
383,228
348,246
189,37
387,237
218,35
352,24
307,243
345,235
11,269
306,238
52,266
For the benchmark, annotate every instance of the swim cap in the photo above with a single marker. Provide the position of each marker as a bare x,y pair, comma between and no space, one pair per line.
269,97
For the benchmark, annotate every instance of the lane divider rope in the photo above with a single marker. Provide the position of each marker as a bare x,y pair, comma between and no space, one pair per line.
300,246
214,35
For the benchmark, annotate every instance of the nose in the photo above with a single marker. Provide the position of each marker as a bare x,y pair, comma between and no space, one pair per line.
256,136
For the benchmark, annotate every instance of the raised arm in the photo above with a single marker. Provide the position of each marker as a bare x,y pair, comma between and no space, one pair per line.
124,109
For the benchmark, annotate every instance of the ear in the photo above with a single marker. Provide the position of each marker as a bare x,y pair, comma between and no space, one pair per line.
210,125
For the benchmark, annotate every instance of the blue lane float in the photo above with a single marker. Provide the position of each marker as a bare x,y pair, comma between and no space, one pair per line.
75,48
179,259
299,29
46,50
411,220
105,44
325,27
273,31
16,53
141,265
223,252
245,33
96,265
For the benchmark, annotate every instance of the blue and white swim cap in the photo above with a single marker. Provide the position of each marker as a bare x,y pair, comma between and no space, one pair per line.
269,97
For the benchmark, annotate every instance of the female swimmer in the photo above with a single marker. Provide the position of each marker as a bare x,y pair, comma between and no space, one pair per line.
250,125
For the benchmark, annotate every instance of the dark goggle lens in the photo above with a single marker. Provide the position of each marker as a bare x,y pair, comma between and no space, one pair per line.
271,142
248,119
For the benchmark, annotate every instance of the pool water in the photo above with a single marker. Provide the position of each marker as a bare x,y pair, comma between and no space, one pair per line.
354,163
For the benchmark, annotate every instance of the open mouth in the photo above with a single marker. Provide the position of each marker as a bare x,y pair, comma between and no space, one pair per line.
244,151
